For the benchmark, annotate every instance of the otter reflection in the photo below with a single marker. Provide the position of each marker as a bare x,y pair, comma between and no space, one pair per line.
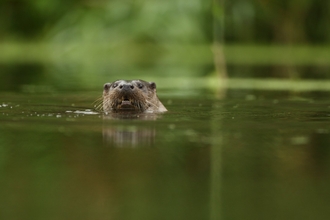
126,133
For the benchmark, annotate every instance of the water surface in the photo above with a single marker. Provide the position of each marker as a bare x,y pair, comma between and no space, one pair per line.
241,154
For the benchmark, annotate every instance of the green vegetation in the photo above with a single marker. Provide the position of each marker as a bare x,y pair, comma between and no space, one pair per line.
80,44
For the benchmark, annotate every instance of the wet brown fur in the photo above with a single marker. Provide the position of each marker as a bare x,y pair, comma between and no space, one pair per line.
130,95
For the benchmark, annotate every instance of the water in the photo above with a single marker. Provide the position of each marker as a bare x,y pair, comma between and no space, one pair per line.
236,154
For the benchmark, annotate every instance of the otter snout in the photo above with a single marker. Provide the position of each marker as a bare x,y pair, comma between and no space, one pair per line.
126,86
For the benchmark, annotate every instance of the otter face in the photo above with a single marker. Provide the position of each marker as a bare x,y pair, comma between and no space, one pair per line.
128,95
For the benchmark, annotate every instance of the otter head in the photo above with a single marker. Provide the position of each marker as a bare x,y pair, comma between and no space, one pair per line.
130,95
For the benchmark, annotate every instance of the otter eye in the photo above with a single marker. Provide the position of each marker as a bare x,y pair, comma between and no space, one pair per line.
114,85
140,85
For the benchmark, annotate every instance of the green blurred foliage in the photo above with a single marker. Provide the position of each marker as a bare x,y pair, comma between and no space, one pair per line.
255,21
142,20
90,42
24,19
277,21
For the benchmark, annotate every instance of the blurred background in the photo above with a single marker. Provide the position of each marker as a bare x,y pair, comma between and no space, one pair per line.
244,137
79,44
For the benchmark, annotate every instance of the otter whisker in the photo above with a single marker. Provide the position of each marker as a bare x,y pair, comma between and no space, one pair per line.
99,107
106,103
154,105
98,104
98,100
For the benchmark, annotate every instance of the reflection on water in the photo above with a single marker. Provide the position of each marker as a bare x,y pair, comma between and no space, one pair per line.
248,155
126,134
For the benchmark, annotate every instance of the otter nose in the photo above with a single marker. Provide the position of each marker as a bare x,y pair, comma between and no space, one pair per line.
127,86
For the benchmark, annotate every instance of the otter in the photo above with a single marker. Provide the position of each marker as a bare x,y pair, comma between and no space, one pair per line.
131,95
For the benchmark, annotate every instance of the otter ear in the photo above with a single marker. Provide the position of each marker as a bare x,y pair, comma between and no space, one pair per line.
107,86
152,85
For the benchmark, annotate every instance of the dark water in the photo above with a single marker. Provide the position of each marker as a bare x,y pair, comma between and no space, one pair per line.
243,155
